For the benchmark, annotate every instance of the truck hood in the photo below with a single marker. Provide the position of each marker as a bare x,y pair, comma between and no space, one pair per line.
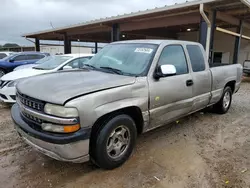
62,86
23,73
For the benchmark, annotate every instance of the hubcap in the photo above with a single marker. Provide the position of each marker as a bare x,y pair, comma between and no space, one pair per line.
226,100
118,142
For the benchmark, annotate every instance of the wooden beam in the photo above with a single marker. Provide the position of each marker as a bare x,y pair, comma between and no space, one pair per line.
227,18
161,32
90,39
89,30
232,33
166,22
238,11
230,19
225,5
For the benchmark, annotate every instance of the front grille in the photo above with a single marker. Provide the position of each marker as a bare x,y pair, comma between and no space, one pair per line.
3,83
32,118
34,124
3,96
30,102
13,97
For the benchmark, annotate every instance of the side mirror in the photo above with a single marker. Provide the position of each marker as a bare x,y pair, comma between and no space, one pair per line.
164,71
11,60
67,67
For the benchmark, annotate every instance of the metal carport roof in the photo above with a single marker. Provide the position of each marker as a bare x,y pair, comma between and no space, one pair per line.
163,22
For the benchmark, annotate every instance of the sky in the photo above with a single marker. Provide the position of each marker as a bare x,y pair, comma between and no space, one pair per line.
18,17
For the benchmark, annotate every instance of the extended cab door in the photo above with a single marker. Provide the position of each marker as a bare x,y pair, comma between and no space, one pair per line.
201,76
170,97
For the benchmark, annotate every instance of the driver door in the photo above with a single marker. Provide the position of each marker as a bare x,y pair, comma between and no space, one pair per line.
171,97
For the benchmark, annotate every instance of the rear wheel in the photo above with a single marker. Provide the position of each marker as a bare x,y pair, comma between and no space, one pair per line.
114,142
2,72
224,104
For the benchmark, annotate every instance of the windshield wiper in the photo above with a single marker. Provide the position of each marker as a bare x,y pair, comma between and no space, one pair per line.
38,68
117,71
88,65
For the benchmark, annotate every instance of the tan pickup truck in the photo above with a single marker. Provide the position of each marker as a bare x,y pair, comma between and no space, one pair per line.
128,88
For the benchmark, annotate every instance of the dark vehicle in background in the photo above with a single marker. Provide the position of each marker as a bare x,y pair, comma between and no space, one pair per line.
9,63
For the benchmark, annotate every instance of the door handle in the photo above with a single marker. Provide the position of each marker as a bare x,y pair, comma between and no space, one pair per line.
189,82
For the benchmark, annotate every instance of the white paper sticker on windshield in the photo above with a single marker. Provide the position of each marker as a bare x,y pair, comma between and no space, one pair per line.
144,50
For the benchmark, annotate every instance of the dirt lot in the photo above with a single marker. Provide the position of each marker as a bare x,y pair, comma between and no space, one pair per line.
203,150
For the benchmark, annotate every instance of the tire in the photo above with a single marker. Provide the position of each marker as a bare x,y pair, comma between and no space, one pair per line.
114,142
224,104
2,72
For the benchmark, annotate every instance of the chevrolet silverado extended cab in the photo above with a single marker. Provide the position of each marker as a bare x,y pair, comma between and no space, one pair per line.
128,88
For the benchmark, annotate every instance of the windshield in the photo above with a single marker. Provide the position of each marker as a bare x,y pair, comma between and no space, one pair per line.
128,59
43,60
51,62
9,57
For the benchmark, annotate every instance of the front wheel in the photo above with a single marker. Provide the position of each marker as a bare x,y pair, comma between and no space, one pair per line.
224,104
114,142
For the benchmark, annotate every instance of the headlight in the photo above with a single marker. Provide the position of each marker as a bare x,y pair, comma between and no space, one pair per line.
12,83
60,111
60,128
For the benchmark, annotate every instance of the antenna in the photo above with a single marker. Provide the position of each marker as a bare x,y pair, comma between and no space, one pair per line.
79,46
51,25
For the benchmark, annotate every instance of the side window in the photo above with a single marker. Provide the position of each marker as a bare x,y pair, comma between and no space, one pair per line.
196,58
40,56
174,55
2,55
34,56
20,58
78,63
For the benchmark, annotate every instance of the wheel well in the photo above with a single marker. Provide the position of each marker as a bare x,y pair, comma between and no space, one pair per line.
3,69
133,111
231,84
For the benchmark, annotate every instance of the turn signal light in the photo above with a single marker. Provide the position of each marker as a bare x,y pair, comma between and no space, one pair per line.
60,128
71,128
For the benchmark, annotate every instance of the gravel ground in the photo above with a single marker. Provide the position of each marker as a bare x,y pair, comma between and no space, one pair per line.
203,150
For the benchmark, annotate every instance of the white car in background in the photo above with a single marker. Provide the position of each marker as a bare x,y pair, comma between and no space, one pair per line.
5,54
52,64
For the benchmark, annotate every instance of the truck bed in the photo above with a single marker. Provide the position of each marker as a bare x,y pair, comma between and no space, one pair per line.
211,65
223,74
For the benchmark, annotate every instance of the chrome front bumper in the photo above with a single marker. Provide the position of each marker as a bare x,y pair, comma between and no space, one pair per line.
76,151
